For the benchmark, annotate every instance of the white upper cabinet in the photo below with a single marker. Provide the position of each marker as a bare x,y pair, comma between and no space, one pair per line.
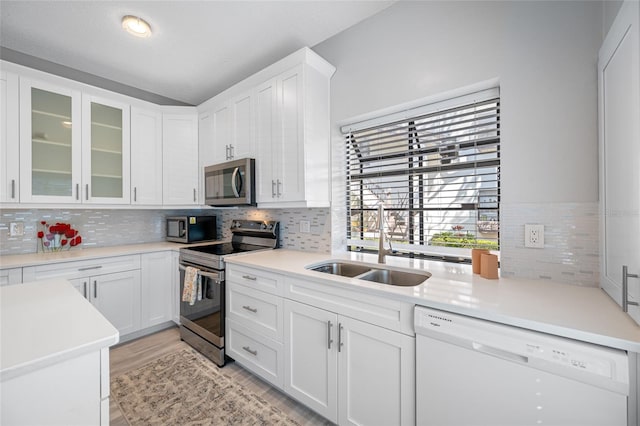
50,143
9,141
146,156
293,138
242,145
619,126
231,130
66,159
280,116
106,158
221,122
180,157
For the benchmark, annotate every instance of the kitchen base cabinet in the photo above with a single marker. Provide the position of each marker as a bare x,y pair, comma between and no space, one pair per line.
362,373
44,396
376,375
348,356
157,288
258,354
311,340
10,276
116,296
254,329
112,284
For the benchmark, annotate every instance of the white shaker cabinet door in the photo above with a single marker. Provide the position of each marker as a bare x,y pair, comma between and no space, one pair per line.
619,116
9,140
157,288
146,156
311,360
117,297
180,158
376,375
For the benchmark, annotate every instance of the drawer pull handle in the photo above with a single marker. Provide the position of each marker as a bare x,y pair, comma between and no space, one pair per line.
248,349
249,277
250,309
88,268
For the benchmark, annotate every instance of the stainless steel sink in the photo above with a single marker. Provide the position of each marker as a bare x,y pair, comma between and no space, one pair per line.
395,277
342,269
374,273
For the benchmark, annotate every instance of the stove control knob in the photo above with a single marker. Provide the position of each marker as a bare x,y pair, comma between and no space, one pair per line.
237,224
263,226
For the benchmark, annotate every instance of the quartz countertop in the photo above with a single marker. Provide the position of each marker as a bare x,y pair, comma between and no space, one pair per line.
46,322
33,259
582,313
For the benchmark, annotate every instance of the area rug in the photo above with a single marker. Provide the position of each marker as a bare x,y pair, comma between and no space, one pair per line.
184,388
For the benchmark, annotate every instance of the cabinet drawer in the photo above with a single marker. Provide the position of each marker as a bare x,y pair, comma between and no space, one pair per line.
258,311
258,354
81,268
255,278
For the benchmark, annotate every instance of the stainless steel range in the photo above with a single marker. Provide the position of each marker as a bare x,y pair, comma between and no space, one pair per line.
202,323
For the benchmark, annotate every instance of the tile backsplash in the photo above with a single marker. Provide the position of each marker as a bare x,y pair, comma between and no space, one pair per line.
571,242
570,255
106,227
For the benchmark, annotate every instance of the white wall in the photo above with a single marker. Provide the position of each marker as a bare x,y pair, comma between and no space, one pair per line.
544,55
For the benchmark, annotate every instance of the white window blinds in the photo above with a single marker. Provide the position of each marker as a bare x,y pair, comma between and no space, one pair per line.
436,173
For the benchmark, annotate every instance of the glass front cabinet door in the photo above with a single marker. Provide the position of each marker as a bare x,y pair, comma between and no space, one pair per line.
50,139
74,148
105,151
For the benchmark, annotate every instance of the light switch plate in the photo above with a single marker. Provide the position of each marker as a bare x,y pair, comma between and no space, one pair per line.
534,236
305,226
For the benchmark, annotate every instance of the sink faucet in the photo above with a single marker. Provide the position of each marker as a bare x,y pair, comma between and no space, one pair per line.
382,252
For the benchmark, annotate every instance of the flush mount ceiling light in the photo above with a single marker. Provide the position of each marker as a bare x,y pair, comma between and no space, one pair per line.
136,26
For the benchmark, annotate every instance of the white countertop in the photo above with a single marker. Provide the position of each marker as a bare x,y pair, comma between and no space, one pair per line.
46,322
33,259
582,313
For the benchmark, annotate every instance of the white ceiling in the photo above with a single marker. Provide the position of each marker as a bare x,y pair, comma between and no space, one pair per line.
198,48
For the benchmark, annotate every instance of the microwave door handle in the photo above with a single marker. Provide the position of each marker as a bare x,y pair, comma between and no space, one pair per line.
234,179
182,228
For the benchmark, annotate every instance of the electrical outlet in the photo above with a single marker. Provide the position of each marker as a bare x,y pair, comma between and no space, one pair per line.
534,236
16,229
305,226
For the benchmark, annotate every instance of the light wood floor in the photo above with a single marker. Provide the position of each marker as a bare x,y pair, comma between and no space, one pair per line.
138,352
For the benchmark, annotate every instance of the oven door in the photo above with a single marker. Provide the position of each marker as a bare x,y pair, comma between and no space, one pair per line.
206,316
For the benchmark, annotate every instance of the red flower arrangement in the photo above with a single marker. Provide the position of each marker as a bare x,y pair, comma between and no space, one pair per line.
58,237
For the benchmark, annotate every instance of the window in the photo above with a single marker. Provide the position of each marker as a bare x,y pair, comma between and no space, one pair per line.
437,174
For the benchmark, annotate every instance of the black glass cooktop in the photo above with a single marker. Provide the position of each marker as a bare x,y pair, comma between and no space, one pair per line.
226,248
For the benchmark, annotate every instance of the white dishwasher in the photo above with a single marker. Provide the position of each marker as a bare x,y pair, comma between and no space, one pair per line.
476,372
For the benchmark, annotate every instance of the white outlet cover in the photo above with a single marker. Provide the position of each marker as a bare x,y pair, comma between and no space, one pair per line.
16,229
305,226
534,236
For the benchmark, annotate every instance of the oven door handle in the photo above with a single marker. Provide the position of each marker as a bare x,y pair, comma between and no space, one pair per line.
214,276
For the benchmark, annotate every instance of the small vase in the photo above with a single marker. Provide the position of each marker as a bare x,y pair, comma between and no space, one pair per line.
55,243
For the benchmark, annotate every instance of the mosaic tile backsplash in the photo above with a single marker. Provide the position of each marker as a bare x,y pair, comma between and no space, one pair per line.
570,255
571,242
104,227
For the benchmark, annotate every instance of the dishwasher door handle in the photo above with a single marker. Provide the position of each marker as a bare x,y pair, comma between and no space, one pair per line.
500,353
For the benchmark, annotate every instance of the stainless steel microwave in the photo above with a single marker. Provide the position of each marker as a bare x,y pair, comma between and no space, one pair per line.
191,229
231,183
